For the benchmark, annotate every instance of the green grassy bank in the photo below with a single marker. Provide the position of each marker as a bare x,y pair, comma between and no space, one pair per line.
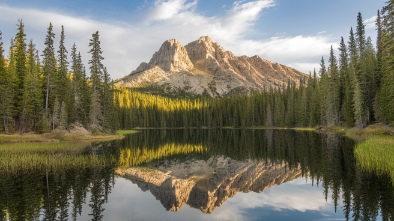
375,148
53,151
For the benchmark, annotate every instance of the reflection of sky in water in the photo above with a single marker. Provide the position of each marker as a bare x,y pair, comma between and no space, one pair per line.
294,200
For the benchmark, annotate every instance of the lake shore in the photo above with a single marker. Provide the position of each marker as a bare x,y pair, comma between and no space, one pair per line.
375,147
62,136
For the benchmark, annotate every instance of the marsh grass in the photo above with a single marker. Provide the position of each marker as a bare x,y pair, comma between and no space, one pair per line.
124,132
51,152
377,154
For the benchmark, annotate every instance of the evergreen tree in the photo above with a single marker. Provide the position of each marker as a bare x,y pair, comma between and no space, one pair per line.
333,93
64,91
32,97
109,117
6,92
324,90
96,76
77,82
347,90
314,91
49,69
386,93
20,68
86,98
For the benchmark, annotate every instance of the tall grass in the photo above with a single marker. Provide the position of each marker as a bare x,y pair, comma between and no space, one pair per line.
125,132
377,154
55,155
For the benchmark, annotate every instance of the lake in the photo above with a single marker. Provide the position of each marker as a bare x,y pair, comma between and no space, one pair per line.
211,174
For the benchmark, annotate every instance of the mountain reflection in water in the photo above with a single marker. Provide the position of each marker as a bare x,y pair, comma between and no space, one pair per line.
209,170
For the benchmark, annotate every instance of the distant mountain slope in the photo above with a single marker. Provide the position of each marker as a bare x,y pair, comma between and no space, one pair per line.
203,66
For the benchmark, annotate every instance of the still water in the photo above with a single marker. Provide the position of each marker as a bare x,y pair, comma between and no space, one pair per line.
207,175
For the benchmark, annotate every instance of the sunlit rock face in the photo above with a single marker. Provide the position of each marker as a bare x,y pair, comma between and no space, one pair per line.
204,67
206,185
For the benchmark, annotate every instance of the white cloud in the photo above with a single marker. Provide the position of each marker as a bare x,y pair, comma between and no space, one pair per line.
125,45
370,22
296,195
164,10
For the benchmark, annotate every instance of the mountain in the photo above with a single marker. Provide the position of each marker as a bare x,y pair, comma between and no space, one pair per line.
205,185
204,67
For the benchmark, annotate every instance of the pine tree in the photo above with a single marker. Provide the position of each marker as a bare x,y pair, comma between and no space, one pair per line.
6,92
360,34
314,91
96,76
32,97
49,69
347,90
64,91
379,49
109,120
386,93
86,97
77,82
20,68
333,93
62,75
324,87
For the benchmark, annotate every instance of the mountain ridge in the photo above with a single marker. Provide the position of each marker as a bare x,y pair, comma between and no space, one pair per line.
204,67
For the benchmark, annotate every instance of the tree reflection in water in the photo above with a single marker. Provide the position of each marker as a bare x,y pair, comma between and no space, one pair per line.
328,160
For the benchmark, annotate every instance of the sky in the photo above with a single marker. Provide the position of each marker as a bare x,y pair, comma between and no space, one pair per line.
294,33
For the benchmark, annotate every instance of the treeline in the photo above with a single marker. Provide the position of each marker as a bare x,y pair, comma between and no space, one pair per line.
41,92
354,90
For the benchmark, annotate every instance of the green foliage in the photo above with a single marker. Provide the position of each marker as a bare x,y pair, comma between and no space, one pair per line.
377,154
38,96
6,92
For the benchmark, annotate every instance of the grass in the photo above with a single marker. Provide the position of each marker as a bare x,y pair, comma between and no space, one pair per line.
375,147
377,154
52,151
125,132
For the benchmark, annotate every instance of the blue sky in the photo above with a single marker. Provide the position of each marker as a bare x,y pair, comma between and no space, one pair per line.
294,33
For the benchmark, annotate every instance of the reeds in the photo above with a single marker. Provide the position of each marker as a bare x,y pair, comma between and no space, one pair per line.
377,154
45,153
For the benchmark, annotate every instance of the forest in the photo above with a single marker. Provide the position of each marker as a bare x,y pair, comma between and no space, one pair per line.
42,92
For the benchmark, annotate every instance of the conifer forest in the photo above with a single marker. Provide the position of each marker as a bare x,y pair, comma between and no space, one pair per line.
44,90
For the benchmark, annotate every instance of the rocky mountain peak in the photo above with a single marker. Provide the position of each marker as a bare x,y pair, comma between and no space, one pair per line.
204,67
171,57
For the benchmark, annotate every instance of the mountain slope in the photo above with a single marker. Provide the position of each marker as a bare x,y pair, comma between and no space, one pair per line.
204,67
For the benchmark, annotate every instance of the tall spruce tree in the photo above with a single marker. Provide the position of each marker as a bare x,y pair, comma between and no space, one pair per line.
63,88
347,89
32,97
333,93
324,90
78,82
386,93
49,70
20,68
6,92
96,77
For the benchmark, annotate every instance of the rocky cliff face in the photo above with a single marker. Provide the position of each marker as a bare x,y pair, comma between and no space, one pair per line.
206,185
203,66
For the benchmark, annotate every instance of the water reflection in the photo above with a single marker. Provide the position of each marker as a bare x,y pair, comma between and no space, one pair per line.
54,196
232,161
226,174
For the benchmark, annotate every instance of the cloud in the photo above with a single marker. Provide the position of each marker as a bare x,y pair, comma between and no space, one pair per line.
370,22
126,44
296,195
164,10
